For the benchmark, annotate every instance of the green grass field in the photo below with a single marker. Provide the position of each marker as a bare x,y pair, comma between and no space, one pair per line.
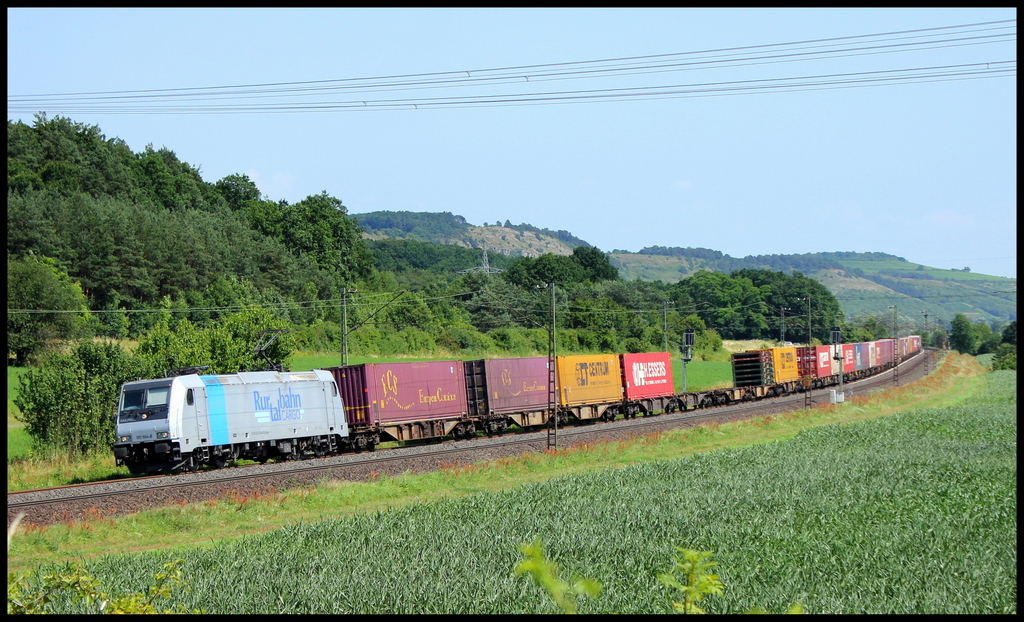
909,513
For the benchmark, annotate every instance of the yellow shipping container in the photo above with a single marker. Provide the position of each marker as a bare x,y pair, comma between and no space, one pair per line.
786,366
589,378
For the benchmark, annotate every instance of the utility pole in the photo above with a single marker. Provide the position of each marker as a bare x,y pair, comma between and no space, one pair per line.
925,313
782,326
552,377
808,321
664,327
896,347
344,324
838,344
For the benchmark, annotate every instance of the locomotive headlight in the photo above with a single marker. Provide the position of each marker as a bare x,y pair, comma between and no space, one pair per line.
162,434
125,439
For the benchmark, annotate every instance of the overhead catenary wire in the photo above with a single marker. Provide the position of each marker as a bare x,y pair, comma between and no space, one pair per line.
187,100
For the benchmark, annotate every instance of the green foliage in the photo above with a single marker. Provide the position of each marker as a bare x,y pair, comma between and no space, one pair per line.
866,328
1010,333
429,227
238,190
546,574
316,227
962,337
74,581
133,228
68,401
696,582
405,255
1005,357
595,264
733,306
586,264
35,283
227,347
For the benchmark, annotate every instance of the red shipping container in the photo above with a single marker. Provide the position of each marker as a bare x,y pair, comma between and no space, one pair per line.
849,357
517,384
805,360
390,392
823,361
647,375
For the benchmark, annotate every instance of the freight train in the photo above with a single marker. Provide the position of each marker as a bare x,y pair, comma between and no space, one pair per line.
183,422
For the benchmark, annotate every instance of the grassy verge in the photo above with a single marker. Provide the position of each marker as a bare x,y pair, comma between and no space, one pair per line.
958,379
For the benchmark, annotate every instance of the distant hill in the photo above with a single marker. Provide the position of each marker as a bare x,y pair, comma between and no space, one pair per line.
446,228
864,283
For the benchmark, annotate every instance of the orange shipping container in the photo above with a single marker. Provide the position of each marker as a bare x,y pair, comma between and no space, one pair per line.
786,364
589,379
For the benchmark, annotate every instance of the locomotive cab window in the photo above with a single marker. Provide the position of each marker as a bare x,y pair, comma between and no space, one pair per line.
142,404
189,399
157,396
133,400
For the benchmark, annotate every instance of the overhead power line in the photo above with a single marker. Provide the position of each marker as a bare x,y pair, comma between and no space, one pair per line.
294,97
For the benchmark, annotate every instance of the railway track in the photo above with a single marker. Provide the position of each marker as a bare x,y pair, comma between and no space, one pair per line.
116,497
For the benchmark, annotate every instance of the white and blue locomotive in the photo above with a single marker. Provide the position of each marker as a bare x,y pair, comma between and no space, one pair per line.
186,421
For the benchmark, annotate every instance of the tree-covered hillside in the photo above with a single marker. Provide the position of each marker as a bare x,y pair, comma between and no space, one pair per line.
866,284
135,228
139,245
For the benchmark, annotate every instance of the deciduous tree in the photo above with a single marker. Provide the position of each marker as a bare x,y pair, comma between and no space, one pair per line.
43,303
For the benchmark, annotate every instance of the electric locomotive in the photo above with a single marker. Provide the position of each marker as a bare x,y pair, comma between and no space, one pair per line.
185,421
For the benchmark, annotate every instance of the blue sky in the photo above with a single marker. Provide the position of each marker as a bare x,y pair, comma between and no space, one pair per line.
923,169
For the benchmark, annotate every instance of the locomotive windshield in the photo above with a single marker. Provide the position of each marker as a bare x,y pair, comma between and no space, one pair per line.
142,404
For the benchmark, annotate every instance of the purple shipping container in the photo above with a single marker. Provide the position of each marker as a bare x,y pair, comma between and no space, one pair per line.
861,350
376,393
516,384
